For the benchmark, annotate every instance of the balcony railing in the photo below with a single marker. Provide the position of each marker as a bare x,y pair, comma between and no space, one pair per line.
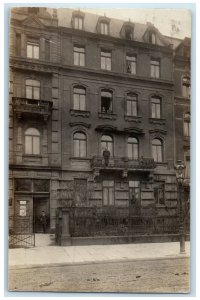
23,106
123,163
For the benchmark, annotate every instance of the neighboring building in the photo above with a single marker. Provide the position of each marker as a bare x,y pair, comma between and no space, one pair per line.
91,122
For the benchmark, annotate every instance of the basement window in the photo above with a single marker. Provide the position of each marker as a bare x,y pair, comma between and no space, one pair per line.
106,101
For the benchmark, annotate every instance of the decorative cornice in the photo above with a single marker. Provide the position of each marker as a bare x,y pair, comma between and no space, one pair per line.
73,124
80,113
108,128
134,130
157,121
109,116
157,130
132,119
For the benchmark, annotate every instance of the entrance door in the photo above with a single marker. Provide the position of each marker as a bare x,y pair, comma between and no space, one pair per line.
40,204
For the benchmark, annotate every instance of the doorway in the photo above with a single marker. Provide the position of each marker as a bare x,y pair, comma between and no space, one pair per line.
40,204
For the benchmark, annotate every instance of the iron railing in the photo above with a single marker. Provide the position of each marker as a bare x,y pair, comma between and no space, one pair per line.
21,233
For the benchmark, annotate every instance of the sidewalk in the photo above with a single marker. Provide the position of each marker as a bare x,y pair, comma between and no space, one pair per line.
55,255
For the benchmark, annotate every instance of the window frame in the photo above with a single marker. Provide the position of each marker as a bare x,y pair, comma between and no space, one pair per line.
132,101
33,88
79,56
103,26
79,22
31,140
78,144
186,125
110,110
79,87
134,187
134,148
106,60
106,189
131,62
186,86
155,68
159,150
33,45
107,145
156,107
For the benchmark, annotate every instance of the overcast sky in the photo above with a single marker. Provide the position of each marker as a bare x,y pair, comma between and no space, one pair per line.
170,22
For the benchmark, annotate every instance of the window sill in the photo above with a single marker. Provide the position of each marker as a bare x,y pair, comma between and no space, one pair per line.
157,121
110,116
32,155
132,119
79,113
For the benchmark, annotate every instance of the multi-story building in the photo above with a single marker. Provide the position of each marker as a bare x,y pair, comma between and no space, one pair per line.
92,127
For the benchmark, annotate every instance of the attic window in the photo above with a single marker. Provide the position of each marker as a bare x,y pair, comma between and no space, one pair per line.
152,38
106,101
104,28
128,33
78,20
33,10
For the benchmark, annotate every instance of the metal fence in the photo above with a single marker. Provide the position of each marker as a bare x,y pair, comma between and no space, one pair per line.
21,233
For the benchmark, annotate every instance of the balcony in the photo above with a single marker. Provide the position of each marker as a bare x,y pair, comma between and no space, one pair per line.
122,164
32,107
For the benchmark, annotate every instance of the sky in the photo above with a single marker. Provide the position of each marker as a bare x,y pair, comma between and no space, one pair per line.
171,22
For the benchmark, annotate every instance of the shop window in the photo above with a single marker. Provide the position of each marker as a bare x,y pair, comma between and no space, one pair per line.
105,60
131,105
157,150
106,101
32,50
159,193
80,144
22,208
32,89
32,141
79,98
23,185
104,27
156,107
40,185
155,68
107,143
133,148
186,124
79,56
131,64
108,193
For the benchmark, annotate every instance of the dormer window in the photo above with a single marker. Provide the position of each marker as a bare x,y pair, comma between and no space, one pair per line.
127,31
152,38
104,28
78,20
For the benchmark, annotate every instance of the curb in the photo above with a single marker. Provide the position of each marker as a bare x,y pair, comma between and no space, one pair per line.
52,265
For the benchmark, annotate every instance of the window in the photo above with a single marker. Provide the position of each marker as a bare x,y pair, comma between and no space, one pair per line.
128,33
107,143
22,208
155,107
80,190
131,64
105,60
79,56
187,168
131,104
47,49
155,68
186,86
32,141
159,194
186,122
18,44
33,50
32,89
79,98
108,192
104,28
133,148
134,193
80,144
152,38
106,101
78,22
157,150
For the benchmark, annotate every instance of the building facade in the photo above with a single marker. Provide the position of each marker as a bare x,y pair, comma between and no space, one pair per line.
92,124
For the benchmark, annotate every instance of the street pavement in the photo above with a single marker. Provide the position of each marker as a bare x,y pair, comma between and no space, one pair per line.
46,255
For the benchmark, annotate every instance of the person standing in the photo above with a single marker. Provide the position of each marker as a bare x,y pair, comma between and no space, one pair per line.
43,220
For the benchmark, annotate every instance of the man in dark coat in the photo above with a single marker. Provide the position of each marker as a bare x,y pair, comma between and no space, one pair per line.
43,220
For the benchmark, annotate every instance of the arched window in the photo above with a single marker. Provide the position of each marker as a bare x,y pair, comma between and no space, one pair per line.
106,101
80,144
133,148
186,124
157,150
107,143
32,89
79,97
32,141
132,103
